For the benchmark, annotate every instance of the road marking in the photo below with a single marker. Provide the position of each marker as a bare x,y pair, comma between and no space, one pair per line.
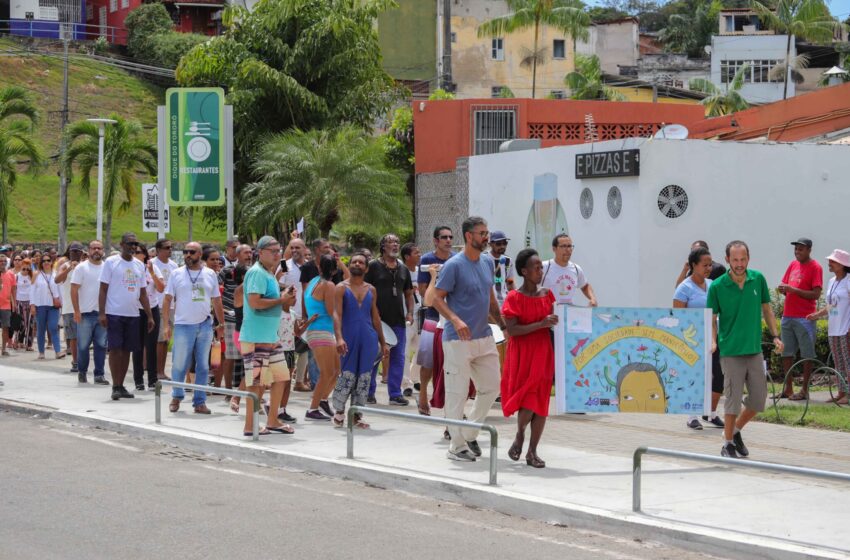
98,440
508,531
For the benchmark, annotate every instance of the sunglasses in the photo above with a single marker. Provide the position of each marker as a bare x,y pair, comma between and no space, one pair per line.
45,261
189,251
140,252
132,244
168,248
446,237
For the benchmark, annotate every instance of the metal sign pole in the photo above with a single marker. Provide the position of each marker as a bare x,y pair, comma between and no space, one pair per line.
228,166
162,166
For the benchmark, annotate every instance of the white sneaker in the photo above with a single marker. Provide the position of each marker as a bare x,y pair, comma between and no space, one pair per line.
462,455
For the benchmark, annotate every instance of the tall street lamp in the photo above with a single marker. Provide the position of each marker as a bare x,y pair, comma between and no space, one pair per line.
101,129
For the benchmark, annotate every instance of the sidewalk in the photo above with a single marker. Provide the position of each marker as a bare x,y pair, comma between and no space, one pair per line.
587,481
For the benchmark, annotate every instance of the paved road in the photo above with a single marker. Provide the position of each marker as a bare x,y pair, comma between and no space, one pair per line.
80,493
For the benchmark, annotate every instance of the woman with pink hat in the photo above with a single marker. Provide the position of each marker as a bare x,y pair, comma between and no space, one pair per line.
838,313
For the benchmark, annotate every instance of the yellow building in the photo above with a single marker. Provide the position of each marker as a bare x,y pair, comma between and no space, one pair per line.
481,67
634,89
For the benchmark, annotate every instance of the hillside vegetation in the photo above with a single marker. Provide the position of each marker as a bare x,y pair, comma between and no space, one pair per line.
95,90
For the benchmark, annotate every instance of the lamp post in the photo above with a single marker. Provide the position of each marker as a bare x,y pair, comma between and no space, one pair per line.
101,129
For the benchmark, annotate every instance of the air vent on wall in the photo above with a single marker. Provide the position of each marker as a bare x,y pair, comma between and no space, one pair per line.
672,201
585,203
615,202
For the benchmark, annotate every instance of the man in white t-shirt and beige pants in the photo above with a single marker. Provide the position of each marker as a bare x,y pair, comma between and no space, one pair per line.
562,276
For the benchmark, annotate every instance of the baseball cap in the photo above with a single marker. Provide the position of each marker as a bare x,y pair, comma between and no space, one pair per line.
498,235
76,246
803,241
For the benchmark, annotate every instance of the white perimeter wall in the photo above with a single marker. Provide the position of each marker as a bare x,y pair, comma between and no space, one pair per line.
765,194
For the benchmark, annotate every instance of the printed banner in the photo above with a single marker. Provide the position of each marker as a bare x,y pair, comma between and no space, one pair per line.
195,146
612,359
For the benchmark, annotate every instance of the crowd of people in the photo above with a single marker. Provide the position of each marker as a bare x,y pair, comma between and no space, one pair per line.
450,325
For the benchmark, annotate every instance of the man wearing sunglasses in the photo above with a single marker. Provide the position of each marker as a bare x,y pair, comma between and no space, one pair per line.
442,252
122,289
194,289
166,266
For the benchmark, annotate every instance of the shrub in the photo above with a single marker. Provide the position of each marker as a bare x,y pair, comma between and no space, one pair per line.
143,23
168,48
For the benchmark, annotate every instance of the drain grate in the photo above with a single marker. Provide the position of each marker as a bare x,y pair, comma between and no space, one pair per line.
181,455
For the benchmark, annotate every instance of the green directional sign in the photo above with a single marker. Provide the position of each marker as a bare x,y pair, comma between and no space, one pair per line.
195,146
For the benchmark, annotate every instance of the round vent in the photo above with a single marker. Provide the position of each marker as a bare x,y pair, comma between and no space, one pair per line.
586,203
672,201
615,202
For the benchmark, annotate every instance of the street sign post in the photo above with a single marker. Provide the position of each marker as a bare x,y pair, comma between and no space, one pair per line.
151,196
195,147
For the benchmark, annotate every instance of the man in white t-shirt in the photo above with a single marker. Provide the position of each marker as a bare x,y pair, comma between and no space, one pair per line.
166,266
122,288
292,277
564,277
85,288
64,268
193,288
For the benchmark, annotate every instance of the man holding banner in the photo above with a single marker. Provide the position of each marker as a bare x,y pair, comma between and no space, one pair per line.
738,300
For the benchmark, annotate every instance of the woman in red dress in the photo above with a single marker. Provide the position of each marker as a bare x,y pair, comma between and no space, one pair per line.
530,359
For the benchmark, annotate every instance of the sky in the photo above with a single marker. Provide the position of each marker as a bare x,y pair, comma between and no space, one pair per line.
839,8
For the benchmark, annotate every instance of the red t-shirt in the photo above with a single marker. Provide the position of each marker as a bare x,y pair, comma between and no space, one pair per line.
8,282
806,276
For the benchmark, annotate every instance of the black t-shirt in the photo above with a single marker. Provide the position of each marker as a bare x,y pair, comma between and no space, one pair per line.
310,270
390,283
227,279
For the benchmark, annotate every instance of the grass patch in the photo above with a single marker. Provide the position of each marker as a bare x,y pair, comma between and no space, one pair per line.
96,90
823,416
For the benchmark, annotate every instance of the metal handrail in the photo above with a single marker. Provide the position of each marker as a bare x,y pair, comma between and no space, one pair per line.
747,464
209,389
494,435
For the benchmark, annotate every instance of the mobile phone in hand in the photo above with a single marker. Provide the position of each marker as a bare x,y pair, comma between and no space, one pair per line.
283,265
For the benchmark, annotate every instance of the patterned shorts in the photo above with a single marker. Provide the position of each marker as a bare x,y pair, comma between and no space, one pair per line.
264,363
840,348
315,339
231,352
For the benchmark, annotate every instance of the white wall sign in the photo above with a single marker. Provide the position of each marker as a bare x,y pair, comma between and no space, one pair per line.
150,208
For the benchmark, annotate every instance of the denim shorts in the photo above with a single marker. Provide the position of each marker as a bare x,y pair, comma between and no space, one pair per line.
798,334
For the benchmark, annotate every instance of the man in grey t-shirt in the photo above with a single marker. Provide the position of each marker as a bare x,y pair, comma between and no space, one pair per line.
465,297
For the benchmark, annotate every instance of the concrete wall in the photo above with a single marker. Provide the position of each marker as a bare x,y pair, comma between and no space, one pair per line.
752,47
441,199
408,39
616,44
765,194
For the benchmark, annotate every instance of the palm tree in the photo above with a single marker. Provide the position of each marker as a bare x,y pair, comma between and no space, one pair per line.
719,102
586,81
325,175
804,19
678,34
18,149
128,153
567,16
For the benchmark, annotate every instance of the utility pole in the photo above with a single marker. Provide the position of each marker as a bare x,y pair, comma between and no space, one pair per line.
446,54
63,180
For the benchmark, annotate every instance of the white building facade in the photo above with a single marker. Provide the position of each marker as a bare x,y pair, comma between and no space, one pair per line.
761,53
632,233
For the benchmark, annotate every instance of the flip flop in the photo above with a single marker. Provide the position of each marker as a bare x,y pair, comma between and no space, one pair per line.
362,425
799,397
338,420
263,432
285,429
425,411
234,406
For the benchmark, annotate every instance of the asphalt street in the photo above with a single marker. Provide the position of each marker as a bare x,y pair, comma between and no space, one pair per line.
70,492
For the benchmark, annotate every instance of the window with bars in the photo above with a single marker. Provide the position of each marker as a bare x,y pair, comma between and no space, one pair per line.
125,4
113,6
497,50
757,73
492,125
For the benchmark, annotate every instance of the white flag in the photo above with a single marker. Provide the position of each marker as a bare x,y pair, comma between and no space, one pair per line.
300,227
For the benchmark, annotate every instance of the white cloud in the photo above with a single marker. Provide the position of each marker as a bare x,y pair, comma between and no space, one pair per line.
668,322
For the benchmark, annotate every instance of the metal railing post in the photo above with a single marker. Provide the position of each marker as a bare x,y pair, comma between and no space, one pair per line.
252,397
729,462
636,468
494,434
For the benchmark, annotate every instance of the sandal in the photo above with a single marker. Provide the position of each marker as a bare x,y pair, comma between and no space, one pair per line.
234,405
282,429
535,461
515,451
425,410
174,406
339,420
799,397
263,432
362,425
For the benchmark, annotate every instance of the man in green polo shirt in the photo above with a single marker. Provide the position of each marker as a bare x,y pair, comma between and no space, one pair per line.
738,300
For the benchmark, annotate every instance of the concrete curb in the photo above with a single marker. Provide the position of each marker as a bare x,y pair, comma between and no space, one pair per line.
724,543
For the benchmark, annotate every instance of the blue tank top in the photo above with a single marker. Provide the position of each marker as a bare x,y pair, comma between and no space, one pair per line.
315,307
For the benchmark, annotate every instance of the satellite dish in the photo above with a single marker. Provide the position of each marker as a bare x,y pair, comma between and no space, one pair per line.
672,132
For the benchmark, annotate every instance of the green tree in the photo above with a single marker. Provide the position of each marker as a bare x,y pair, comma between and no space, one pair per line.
567,16
328,176
721,102
585,82
129,155
804,19
293,64
18,150
690,30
